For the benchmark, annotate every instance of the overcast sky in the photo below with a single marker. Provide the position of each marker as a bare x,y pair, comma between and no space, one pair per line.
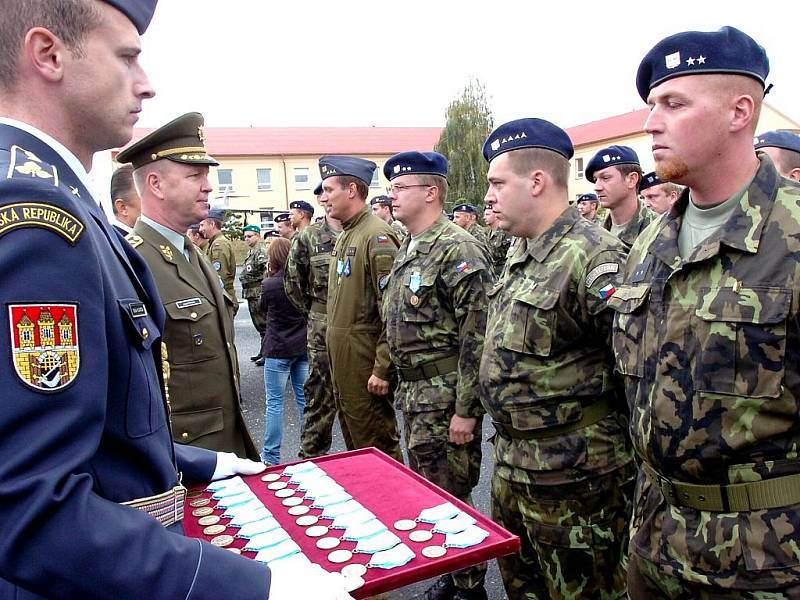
360,63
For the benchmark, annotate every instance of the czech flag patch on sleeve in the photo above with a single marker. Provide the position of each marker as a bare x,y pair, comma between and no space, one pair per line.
44,339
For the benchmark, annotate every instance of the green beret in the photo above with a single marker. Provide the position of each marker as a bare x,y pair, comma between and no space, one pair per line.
253,228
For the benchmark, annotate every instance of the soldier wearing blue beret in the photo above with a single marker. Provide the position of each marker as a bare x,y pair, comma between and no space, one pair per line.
382,208
92,492
783,147
706,336
355,337
563,465
465,215
657,195
616,174
283,225
587,206
300,215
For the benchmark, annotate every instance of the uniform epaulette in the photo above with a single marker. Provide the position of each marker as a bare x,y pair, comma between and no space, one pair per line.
25,164
134,240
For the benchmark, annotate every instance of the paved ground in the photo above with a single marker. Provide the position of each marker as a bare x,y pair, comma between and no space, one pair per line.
252,378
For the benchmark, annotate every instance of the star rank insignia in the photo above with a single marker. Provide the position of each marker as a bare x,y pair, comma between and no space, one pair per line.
201,134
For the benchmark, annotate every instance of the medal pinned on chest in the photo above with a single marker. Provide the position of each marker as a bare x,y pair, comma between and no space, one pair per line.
414,284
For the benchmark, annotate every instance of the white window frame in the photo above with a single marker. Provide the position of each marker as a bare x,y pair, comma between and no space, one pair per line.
264,187
224,187
299,185
579,170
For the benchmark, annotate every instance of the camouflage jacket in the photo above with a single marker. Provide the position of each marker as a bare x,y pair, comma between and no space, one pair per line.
255,266
709,348
363,256
547,353
306,276
434,303
399,228
640,220
219,251
499,243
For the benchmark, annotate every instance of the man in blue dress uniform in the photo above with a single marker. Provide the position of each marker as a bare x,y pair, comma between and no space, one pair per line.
85,427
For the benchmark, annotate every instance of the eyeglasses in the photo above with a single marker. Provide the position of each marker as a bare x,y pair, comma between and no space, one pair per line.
396,189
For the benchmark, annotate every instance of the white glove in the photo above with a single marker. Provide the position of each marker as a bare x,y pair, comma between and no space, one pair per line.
228,465
291,581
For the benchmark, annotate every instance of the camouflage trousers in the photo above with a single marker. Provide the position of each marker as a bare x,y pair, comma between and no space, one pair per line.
320,410
453,468
258,318
647,582
574,536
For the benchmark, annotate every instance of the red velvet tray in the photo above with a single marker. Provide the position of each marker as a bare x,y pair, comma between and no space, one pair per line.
392,492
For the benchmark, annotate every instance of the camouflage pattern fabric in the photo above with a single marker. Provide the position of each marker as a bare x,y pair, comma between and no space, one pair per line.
480,234
709,347
399,228
356,335
253,271
640,220
547,358
306,285
499,243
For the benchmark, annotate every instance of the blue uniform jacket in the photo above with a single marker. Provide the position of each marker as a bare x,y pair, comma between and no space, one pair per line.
83,423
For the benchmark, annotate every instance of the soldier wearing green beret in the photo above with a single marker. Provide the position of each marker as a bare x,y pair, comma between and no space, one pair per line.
253,270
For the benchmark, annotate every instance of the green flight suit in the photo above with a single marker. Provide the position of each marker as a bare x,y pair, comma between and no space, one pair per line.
219,251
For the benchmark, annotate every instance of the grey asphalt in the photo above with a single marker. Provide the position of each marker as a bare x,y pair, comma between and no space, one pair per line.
252,382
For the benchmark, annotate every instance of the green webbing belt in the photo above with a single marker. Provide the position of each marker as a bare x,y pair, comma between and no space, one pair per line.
429,370
591,414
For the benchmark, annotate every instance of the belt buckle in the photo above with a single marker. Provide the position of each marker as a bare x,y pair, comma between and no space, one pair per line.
667,489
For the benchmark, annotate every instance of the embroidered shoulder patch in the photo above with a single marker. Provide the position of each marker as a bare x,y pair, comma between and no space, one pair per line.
44,340
217,265
41,215
599,270
134,240
25,164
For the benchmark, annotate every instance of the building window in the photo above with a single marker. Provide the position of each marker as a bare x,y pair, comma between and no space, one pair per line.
300,178
264,177
225,180
375,179
579,168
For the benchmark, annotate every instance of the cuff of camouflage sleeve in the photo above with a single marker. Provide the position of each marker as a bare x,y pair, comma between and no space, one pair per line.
470,410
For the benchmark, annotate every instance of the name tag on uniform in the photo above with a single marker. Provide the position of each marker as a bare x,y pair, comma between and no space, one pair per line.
351,251
138,309
188,302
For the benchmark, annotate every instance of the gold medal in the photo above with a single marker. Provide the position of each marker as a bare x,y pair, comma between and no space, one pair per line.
434,551
340,556
405,525
298,510
202,512
414,300
292,501
277,485
224,540
354,571
316,530
209,520
284,493
199,502
328,543
214,529
306,520
194,493
270,477
420,536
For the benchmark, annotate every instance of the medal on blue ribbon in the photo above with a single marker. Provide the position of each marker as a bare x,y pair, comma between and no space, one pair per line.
339,267
347,269
415,283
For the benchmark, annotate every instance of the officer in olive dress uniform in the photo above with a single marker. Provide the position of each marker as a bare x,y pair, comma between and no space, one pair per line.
204,377
253,270
219,251
356,336
435,309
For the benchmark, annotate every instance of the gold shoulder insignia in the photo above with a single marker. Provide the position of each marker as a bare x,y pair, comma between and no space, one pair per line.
166,251
134,240
26,164
42,215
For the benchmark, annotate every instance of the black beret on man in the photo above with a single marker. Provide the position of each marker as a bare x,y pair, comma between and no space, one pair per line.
318,189
283,218
302,205
218,214
181,140
140,12
649,180
785,140
468,208
382,200
415,163
727,50
527,133
335,166
612,156
587,198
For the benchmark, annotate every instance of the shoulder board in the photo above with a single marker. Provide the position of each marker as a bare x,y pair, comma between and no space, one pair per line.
134,240
24,164
40,215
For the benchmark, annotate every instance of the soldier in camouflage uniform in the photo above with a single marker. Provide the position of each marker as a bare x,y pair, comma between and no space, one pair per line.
219,251
564,469
253,270
499,241
706,335
306,285
587,205
466,217
435,310
356,335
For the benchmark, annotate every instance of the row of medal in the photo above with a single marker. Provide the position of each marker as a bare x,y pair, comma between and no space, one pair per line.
265,536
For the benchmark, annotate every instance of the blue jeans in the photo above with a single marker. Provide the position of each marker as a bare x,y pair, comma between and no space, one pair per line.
276,372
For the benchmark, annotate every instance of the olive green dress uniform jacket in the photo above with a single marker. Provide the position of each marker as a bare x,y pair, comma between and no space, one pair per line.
198,333
709,345
219,251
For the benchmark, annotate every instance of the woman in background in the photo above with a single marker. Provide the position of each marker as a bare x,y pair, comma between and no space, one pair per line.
284,350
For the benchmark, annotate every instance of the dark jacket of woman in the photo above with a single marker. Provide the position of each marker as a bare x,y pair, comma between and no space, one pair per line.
286,327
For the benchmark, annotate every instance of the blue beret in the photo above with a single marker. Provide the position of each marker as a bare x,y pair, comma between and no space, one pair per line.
332,166
302,205
786,140
587,198
527,133
466,208
318,189
140,12
217,213
383,200
649,180
611,156
727,50
194,227
282,218
415,163
450,216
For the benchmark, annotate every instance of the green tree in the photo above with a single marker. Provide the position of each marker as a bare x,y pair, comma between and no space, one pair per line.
469,122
